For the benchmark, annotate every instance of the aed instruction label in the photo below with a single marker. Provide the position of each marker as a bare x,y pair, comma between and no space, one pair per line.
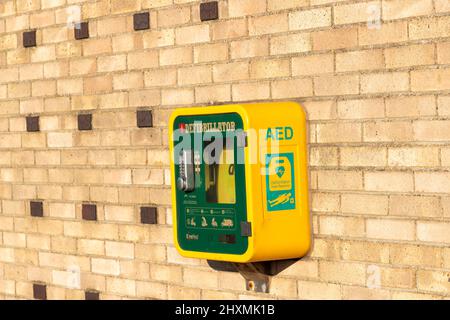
280,181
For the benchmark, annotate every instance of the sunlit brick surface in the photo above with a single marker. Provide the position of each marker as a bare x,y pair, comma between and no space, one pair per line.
374,77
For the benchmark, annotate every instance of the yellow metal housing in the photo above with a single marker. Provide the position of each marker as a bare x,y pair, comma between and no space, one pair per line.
276,234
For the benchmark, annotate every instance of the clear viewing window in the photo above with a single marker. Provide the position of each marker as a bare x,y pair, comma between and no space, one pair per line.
220,179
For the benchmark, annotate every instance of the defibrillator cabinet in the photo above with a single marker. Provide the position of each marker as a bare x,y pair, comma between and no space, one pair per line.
240,182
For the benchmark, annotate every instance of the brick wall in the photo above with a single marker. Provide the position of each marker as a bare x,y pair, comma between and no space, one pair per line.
377,97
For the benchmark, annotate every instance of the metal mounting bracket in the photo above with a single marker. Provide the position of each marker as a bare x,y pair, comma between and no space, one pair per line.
255,275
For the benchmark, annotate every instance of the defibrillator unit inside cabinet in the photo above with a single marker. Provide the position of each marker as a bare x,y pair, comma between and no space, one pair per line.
240,182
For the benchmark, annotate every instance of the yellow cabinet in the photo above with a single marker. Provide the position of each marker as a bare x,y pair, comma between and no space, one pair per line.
240,182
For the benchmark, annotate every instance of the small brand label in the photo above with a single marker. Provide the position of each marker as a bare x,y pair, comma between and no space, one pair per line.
280,181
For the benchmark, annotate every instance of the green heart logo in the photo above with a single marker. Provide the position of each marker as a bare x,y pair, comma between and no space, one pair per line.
280,171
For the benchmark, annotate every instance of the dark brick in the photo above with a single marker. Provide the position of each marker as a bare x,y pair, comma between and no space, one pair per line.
39,291
209,11
36,209
149,215
89,212
33,123
141,21
29,39
92,295
85,121
144,118
81,30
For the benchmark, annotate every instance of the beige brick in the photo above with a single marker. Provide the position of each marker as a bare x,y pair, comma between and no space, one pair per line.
19,90
119,213
148,176
387,33
430,80
414,206
359,60
318,290
262,69
390,229
384,82
183,293
152,290
274,5
8,41
109,26
160,77
364,293
364,204
251,91
31,106
131,80
388,131
177,96
239,8
363,156
338,132
389,181
283,288
97,46
121,6
357,12
246,49
170,17
31,72
443,52
229,29
352,273
182,55
398,9
141,98
433,281
365,251
194,75
55,34
324,156
431,130
213,94
440,182
335,39
230,71
336,85
310,19
407,56
69,86
292,88
340,180
292,43
192,34
361,109
59,140
413,157
17,23
415,255
166,273
44,53
43,88
312,65
268,24
62,210
341,226
200,278
212,52
111,63
121,286
119,249
442,5
410,106
432,27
